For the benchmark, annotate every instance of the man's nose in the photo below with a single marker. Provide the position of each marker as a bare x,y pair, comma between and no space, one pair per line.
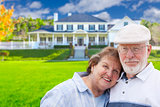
129,54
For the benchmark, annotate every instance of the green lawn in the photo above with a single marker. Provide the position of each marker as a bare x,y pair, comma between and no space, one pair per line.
24,83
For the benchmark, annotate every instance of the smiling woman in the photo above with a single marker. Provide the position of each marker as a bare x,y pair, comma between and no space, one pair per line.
87,89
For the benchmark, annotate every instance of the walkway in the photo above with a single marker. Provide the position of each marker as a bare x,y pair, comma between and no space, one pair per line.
79,53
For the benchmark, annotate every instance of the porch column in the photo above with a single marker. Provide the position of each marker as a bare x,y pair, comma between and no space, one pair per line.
46,39
73,39
38,39
63,39
97,39
53,40
87,40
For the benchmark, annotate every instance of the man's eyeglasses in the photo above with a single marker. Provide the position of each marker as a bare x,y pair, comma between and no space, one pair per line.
134,49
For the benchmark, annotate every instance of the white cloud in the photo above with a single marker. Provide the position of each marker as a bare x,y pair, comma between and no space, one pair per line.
114,21
88,6
104,15
153,0
152,14
50,17
35,5
134,7
26,12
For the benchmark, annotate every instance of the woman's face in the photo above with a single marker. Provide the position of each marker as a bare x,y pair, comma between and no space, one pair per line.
105,73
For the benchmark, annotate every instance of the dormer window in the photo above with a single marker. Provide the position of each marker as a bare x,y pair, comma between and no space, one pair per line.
69,27
59,27
92,27
101,27
80,27
125,23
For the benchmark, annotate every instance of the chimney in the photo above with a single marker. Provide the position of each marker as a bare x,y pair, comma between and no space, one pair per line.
69,14
55,17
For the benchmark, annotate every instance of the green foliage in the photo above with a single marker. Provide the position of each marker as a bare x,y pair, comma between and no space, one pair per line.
4,53
96,46
154,29
41,54
61,46
24,83
155,55
72,52
25,25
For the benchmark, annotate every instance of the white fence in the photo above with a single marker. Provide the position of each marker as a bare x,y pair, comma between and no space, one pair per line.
26,45
16,45
36,45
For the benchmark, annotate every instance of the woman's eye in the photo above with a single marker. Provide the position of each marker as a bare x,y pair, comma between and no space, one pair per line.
115,71
105,66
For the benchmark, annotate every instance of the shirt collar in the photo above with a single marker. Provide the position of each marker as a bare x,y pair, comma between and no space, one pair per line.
142,75
77,78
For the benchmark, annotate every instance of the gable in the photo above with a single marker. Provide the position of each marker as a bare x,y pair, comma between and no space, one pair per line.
120,23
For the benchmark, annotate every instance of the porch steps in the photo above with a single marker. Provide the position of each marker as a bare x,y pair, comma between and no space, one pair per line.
79,54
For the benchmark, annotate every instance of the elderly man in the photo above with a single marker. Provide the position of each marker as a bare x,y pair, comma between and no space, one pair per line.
139,85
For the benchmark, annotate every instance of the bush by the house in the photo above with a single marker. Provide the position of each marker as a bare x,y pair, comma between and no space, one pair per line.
61,46
96,46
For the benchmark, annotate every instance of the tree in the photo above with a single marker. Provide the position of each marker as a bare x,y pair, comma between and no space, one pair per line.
155,31
6,23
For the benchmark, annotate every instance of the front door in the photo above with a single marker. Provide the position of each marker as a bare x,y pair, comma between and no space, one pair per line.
80,41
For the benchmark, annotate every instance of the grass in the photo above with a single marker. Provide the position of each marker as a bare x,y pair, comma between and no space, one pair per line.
93,51
39,54
24,83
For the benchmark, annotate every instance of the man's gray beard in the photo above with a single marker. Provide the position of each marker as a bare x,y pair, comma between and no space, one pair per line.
135,70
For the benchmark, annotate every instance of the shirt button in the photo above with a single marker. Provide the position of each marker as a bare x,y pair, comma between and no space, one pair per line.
123,92
126,82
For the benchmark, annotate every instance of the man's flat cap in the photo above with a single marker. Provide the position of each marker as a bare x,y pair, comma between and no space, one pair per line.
133,34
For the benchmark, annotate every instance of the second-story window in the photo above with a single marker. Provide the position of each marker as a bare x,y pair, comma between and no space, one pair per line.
92,27
125,23
91,39
80,27
70,27
101,27
59,27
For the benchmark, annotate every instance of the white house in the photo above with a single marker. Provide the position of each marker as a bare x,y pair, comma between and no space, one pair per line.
78,29
123,22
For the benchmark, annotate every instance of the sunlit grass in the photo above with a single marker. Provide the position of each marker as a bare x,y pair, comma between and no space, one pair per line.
25,83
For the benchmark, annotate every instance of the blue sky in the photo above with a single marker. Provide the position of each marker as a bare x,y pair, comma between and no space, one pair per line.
105,9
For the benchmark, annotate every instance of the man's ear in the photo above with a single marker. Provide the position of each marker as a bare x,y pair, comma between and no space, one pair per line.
92,68
149,48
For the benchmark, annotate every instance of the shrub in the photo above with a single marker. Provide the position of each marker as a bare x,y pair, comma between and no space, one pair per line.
153,53
61,46
96,46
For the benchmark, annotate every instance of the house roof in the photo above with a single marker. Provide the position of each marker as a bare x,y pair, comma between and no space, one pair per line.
81,18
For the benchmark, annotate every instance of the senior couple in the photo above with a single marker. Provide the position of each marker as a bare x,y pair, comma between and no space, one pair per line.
119,77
